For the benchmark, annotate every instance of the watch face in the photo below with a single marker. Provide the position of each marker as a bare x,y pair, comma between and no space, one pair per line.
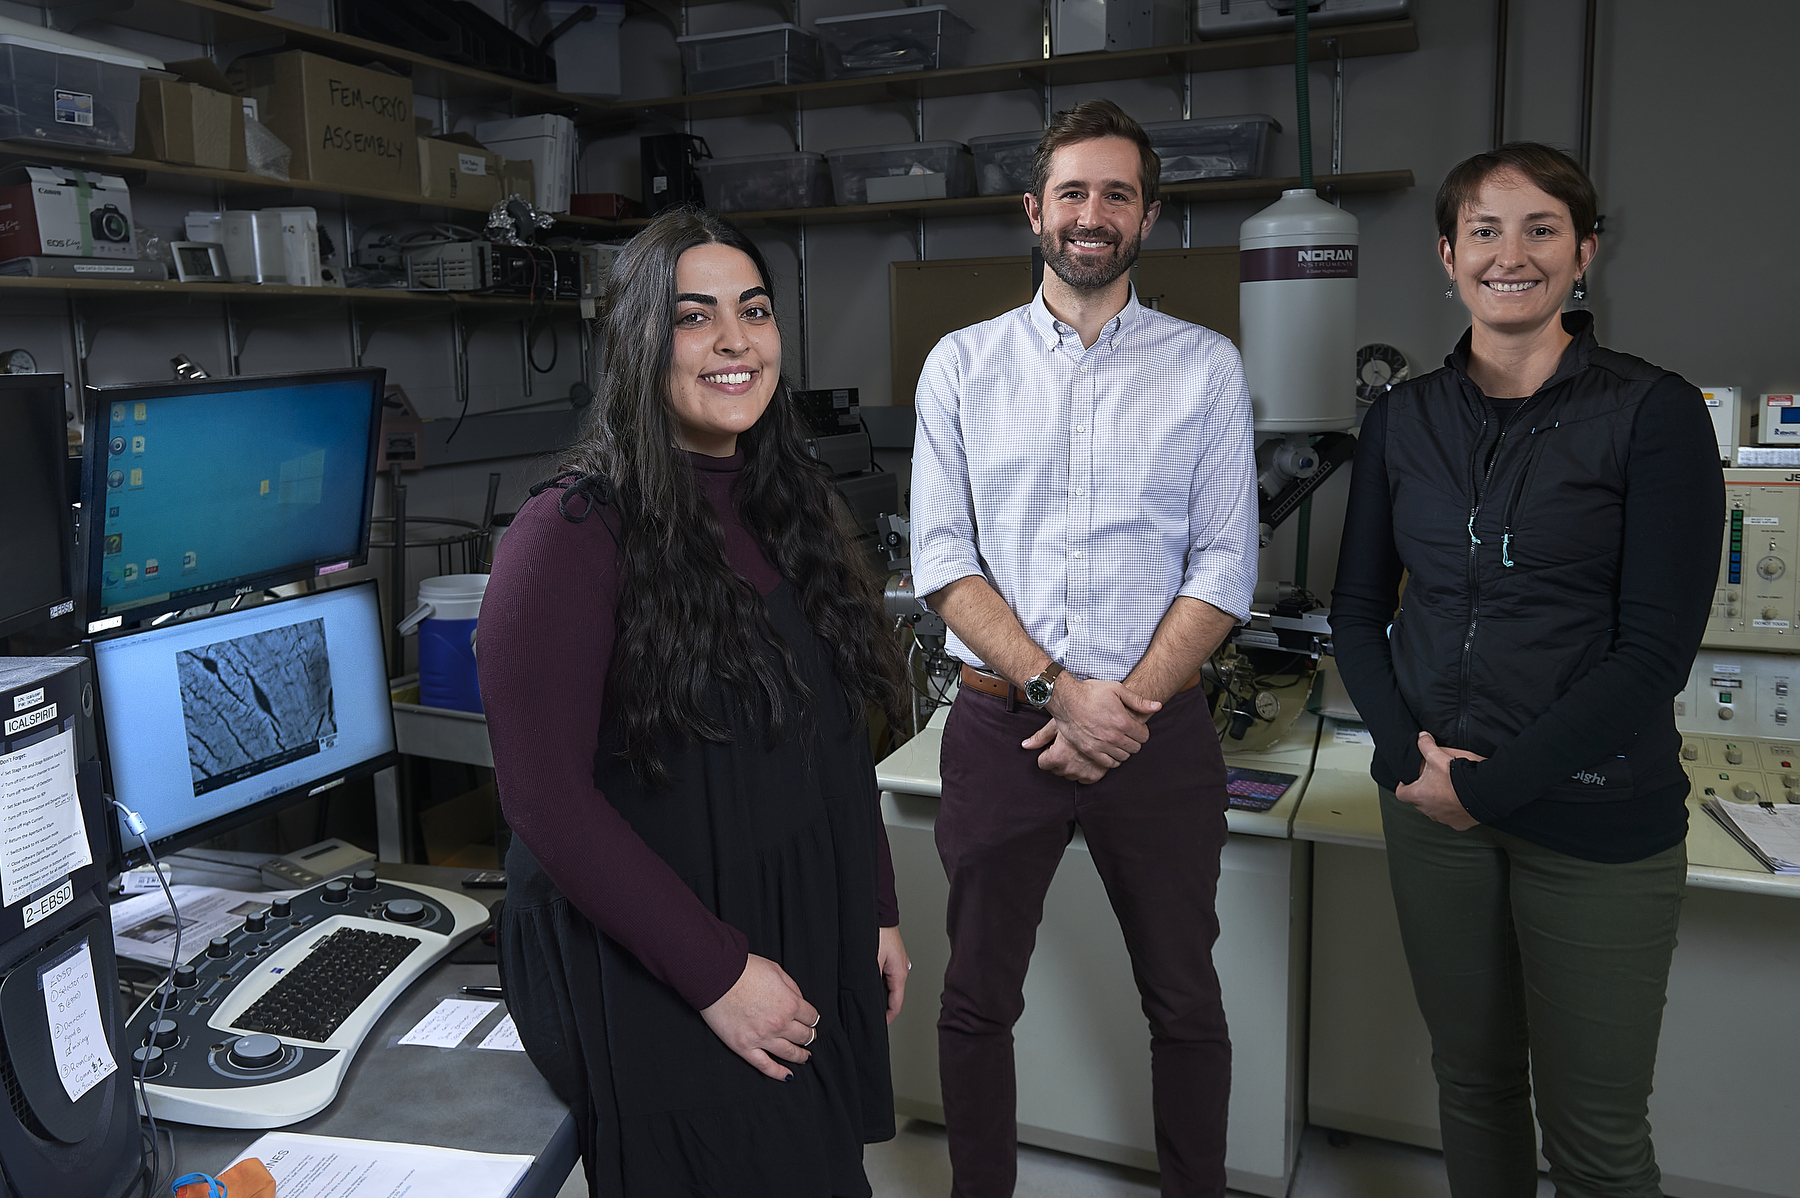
1038,692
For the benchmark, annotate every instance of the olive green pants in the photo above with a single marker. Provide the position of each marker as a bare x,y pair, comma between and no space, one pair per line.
1536,970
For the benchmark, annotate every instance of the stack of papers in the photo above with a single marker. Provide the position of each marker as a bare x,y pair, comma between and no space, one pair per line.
1771,834
327,1167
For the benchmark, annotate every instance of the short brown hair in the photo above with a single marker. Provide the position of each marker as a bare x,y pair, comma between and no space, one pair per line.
1089,121
1548,168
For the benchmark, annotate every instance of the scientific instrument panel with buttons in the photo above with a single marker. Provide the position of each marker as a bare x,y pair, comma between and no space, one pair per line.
1736,718
1756,605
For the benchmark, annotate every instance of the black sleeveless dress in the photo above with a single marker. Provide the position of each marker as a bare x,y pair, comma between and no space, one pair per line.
779,842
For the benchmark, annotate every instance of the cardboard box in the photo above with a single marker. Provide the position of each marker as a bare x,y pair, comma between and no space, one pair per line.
460,169
518,177
54,213
195,120
347,126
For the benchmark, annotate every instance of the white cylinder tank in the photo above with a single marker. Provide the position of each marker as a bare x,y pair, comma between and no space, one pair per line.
1297,263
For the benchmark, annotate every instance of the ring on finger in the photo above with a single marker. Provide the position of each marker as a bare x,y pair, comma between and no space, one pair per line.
815,1036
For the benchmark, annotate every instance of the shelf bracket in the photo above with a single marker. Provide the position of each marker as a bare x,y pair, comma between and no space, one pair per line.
66,16
234,339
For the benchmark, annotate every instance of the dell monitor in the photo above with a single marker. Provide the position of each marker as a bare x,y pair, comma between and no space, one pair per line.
198,491
211,722
36,533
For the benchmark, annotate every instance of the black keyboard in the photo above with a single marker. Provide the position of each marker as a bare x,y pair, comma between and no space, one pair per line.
321,991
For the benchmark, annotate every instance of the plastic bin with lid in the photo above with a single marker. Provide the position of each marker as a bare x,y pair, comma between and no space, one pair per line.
587,51
766,56
899,39
67,90
1213,147
1003,162
912,170
764,181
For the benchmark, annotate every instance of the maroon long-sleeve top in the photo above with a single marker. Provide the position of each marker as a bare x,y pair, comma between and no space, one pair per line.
547,632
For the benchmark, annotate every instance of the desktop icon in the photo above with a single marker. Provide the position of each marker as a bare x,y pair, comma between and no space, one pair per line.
111,577
137,478
150,567
118,415
129,574
137,446
116,446
115,543
190,561
112,513
138,412
115,478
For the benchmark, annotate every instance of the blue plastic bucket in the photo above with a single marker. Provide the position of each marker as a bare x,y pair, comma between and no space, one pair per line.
445,619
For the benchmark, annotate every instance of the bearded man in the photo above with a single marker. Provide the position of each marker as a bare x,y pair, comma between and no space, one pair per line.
1084,520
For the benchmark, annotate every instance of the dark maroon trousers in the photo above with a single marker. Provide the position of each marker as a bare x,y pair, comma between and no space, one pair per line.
1155,827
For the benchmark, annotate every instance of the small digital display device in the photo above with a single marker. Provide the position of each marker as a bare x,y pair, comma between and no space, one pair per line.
200,262
36,531
210,723
198,491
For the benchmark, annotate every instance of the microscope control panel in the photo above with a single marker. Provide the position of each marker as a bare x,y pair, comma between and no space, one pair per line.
1756,604
1740,726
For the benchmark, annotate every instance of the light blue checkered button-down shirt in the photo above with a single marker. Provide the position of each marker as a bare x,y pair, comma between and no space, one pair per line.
1089,486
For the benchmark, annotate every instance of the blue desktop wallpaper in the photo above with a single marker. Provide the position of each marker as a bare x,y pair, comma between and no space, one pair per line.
203,490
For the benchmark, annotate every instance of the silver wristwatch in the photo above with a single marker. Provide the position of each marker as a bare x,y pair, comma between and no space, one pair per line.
1039,689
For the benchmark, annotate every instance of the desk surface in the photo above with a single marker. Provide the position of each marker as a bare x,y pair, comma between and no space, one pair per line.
1342,806
464,1097
913,769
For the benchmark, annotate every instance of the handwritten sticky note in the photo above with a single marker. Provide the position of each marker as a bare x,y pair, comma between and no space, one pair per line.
77,1037
504,1037
448,1023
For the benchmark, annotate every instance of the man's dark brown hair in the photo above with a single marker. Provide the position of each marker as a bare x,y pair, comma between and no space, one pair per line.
1546,167
1087,121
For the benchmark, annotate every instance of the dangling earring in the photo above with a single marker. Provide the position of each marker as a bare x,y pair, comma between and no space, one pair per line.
1450,291
1579,295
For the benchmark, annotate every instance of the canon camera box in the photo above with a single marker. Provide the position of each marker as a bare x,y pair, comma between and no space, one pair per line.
46,212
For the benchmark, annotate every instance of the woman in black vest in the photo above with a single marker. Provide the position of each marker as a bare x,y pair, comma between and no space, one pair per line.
1555,510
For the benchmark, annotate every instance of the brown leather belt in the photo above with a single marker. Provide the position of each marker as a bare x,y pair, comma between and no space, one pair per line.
1000,688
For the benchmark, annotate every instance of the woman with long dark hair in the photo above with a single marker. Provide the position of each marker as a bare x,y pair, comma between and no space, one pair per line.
700,942
1558,507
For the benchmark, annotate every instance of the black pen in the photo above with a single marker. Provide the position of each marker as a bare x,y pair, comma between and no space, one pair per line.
484,991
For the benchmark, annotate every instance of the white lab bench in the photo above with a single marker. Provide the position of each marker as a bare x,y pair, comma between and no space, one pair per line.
1082,1047
1725,1108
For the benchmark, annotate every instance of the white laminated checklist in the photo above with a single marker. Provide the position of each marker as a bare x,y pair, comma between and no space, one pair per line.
42,835
448,1023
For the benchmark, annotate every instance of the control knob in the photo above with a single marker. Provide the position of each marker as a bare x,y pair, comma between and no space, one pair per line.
165,997
1725,712
336,891
1690,753
1771,567
1734,756
162,1033
1770,613
1743,793
218,946
363,879
186,977
281,908
256,1052
1790,781
404,911
256,921
148,1061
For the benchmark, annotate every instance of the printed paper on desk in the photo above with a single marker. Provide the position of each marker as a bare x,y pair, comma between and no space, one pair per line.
42,835
450,1021
144,930
328,1167
77,1037
1352,736
504,1037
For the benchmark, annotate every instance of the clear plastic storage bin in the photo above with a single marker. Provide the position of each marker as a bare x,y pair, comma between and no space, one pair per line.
900,39
767,56
764,181
912,170
1213,147
71,97
1003,162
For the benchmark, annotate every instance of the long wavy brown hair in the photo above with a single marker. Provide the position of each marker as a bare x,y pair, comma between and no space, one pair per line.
687,622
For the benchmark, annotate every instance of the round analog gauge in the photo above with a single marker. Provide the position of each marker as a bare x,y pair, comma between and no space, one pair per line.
1267,705
17,361
1378,368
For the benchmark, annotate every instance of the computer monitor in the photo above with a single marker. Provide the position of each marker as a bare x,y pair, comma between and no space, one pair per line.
211,722
194,492
36,532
